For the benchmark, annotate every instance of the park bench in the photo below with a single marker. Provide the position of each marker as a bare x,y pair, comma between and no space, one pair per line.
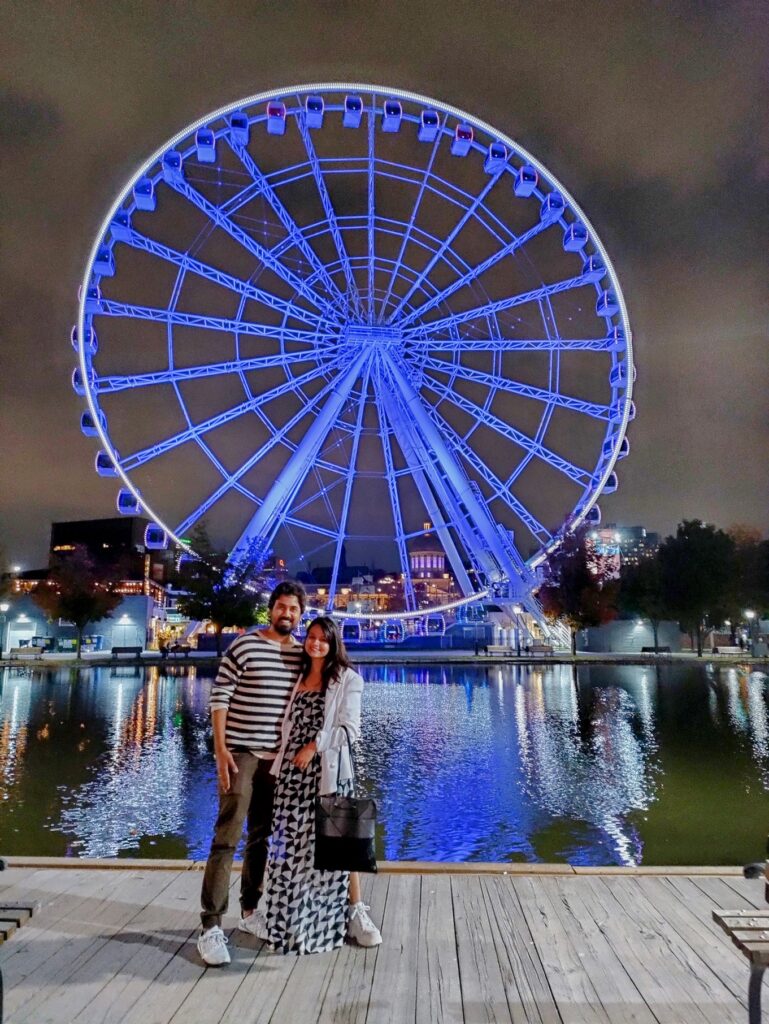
498,651
659,650
749,931
12,916
545,649
179,651
728,650
25,652
133,651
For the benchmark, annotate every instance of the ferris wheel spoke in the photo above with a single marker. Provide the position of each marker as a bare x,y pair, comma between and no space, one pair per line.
205,270
192,433
371,210
499,306
486,418
391,423
474,274
515,344
446,244
392,486
223,221
292,229
330,212
342,525
460,445
461,498
110,385
267,520
111,308
277,436
412,221
593,409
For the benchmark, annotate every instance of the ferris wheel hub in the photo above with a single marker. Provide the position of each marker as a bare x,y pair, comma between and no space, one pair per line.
376,336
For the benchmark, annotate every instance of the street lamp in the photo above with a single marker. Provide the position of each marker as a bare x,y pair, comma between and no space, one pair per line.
517,610
750,615
4,606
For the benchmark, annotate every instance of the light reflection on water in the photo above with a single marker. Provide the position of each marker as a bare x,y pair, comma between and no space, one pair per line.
595,765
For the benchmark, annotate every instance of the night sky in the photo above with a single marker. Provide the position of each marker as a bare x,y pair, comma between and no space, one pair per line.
654,115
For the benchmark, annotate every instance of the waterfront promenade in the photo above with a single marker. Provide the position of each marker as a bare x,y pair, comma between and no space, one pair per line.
463,943
395,656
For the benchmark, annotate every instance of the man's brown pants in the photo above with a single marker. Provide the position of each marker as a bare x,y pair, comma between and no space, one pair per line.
249,800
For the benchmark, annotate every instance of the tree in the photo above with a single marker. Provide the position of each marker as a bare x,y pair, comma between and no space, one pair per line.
750,587
642,592
79,591
576,586
214,590
698,568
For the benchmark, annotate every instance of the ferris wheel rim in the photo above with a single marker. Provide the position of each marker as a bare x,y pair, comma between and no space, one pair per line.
375,89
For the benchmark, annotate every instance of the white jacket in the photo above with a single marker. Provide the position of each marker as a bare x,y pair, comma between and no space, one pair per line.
342,709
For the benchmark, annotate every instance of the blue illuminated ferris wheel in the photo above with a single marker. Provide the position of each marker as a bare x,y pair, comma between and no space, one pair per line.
324,316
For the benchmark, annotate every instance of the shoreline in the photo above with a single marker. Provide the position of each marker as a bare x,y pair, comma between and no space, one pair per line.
398,657
400,867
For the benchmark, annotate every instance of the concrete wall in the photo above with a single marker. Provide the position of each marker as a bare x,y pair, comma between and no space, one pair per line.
628,636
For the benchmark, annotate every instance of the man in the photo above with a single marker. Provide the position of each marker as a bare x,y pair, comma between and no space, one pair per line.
255,680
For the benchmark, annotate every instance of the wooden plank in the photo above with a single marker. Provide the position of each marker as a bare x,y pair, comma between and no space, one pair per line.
572,989
620,997
74,970
180,969
393,989
689,915
484,996
665,969
164,928
439,993
725,897
349,989
528,991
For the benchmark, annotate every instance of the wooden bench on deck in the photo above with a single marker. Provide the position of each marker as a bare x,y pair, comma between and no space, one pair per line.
749,931
12,916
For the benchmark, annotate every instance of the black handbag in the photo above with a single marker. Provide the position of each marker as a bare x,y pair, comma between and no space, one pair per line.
345,828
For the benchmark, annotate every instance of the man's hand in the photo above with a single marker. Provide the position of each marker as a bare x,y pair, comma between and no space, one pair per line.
304,755
225,769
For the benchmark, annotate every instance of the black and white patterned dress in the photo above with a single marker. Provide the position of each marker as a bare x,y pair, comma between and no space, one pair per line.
305,909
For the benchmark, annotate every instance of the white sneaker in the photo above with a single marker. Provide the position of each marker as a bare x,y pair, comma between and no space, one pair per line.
255,923
360,927
212,946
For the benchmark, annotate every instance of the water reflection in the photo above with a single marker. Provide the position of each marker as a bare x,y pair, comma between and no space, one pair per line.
468,763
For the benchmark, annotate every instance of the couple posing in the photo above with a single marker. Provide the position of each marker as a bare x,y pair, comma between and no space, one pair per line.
281,713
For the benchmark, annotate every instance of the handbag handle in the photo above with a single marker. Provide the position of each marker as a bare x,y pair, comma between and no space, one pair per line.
352,765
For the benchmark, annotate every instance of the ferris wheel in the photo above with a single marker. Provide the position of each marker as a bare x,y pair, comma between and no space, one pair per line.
324,317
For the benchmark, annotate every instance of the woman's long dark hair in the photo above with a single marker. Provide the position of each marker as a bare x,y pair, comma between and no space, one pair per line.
336,659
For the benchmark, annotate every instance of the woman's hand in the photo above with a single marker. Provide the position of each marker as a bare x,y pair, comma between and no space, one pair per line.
305,754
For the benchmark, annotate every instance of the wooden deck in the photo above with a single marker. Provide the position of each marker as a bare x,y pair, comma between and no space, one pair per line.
118,946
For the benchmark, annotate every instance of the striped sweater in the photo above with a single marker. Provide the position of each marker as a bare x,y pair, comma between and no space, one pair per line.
253,685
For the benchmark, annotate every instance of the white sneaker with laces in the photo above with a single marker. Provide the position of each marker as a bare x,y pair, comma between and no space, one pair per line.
255,923
212,946
360,927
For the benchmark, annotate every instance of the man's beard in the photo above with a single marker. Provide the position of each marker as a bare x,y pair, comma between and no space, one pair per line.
283,627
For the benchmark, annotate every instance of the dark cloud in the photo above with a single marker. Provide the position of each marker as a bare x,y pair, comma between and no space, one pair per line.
653,114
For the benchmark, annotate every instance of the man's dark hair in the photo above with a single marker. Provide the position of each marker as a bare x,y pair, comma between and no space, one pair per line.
288,589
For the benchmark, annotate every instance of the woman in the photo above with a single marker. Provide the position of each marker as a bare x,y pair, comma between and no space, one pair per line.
304,910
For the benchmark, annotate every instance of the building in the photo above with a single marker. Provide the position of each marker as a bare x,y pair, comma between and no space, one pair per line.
624,545
433,583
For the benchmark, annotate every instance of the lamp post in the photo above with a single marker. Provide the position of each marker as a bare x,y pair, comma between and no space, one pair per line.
3,619
750,615
517,610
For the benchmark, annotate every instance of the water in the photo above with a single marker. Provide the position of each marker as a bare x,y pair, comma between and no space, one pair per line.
594,765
